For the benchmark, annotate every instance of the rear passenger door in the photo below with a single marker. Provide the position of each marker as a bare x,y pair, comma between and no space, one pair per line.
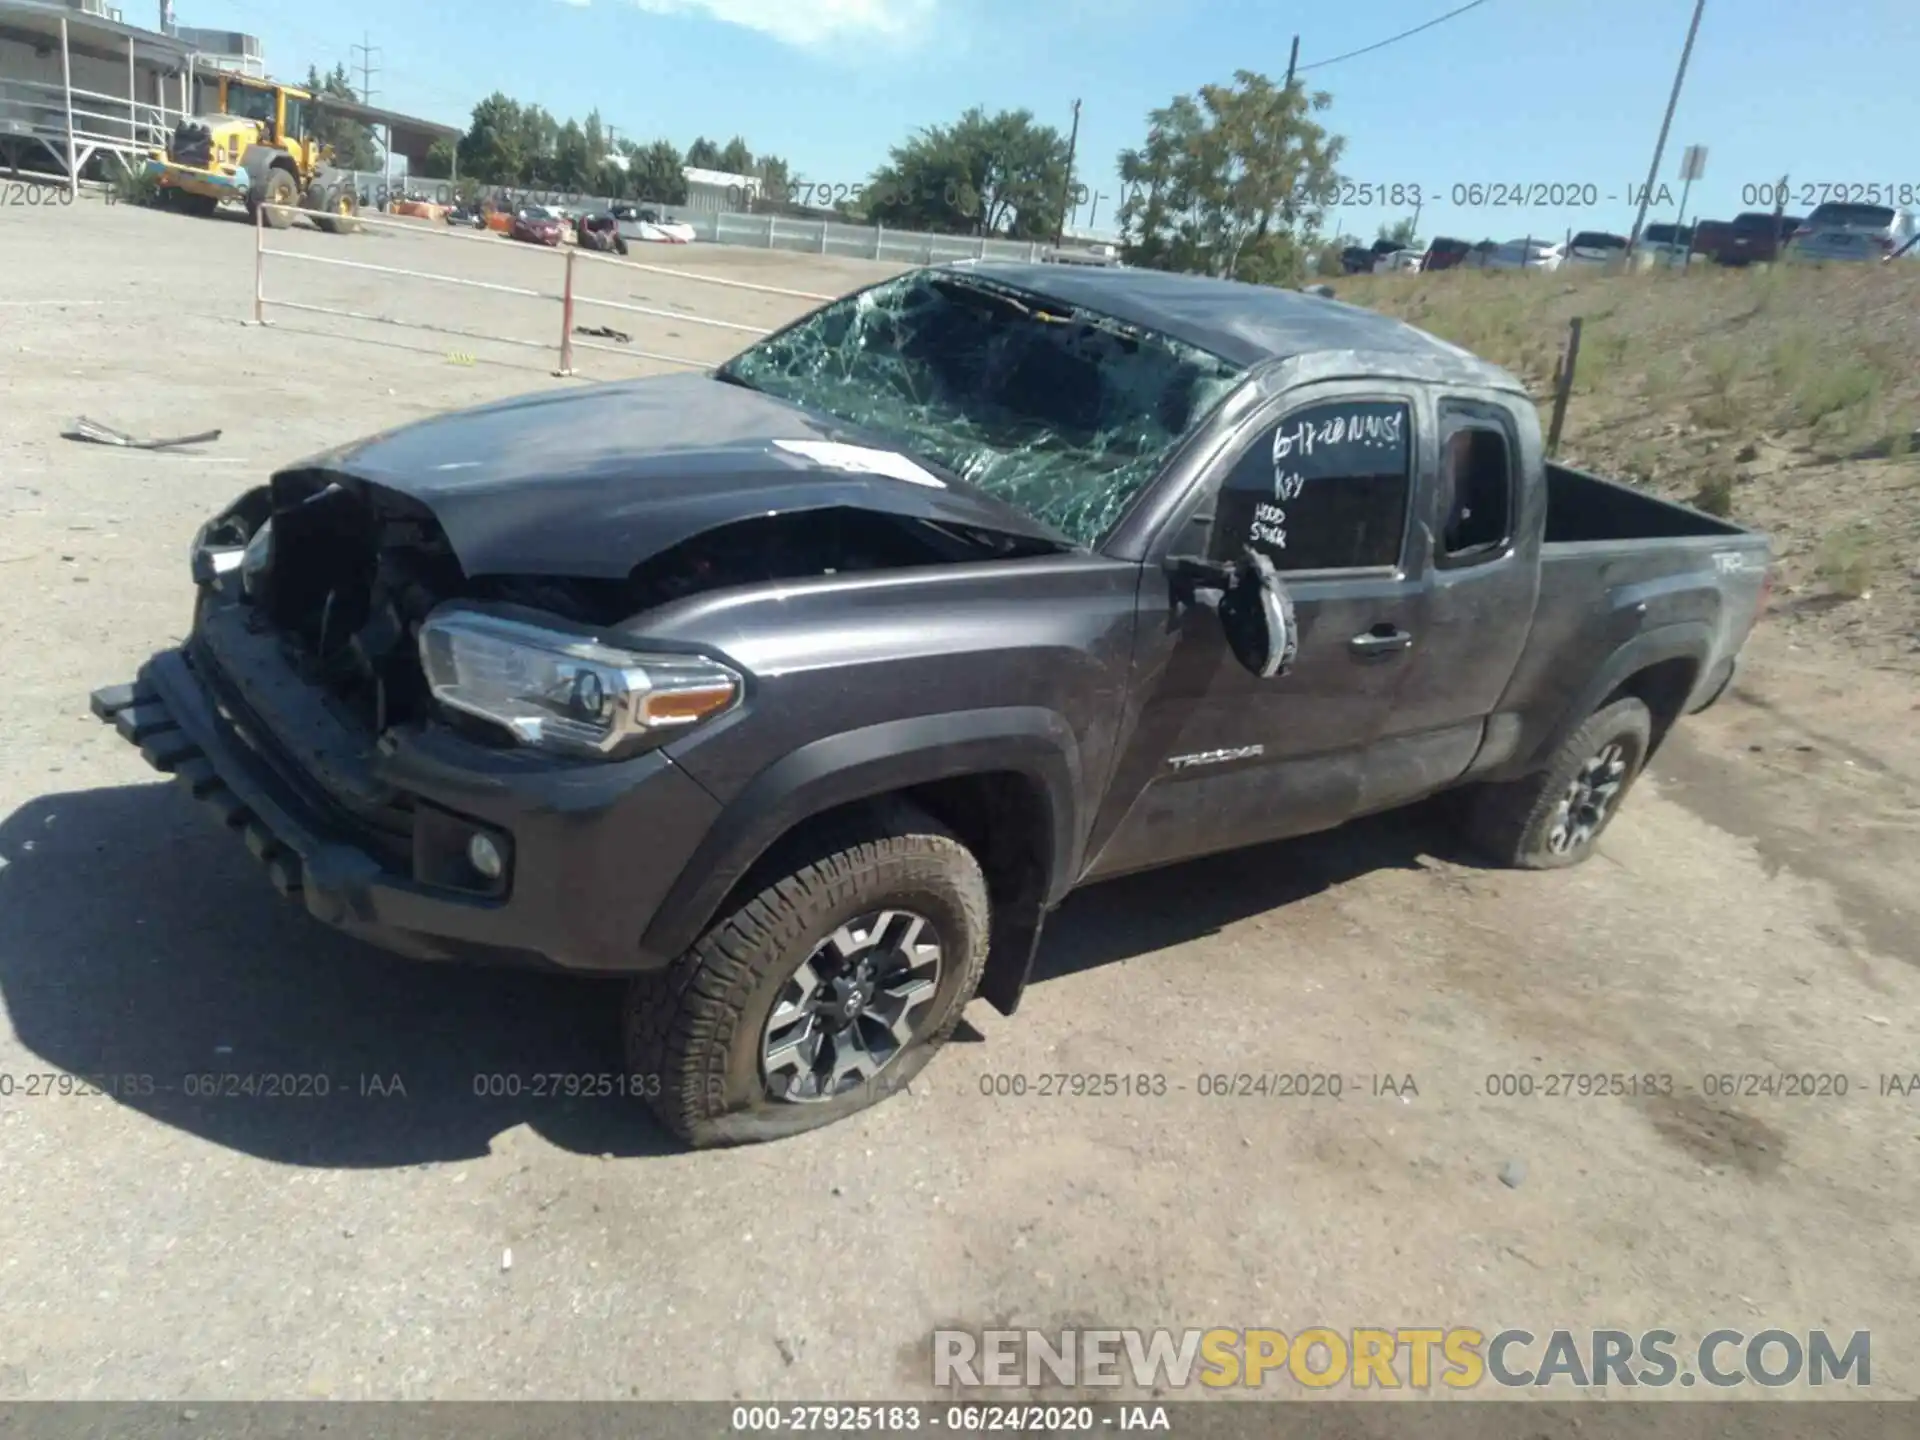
1479,548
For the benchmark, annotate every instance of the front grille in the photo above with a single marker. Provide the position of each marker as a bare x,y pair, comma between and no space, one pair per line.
348,584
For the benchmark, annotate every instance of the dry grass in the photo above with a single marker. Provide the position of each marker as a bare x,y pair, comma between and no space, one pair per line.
1790,394
1847,560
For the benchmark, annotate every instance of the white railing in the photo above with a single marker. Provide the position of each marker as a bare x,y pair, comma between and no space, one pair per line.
38,110
568,297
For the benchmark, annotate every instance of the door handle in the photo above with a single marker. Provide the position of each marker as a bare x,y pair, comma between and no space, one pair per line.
1380,641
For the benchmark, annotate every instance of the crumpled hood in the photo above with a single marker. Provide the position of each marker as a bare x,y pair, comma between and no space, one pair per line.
590,482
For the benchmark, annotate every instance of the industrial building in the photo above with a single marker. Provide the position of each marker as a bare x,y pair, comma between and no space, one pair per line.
84,94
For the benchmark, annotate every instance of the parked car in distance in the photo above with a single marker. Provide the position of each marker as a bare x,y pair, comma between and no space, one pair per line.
1398,262
1850,231
644,223
1446,253
1756,237
1082,253
538,225
1356,260
1532,254
1595,247
598,230
798,697
1666,244
1710,238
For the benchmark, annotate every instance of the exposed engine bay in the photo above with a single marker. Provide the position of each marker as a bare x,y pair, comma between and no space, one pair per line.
350,571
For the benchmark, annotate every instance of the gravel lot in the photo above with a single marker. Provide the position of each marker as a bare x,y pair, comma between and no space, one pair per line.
1752,912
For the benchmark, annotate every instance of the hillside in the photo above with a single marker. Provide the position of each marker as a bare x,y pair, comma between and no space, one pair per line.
1786,398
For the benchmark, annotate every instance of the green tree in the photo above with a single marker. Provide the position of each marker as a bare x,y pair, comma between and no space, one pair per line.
352,143
999,174
703,154
736,158
1400,232
655,174
573,167
1230,181
491,151
777,182
439,161
539,147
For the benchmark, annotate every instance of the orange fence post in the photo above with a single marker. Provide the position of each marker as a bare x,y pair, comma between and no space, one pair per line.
566,321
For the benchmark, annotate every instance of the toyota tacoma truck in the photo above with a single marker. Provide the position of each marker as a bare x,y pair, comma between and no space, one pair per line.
800,691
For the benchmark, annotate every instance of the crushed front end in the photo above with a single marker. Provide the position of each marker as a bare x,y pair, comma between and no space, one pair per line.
435,819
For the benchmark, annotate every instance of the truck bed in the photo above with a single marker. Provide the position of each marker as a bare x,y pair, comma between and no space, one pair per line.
1583,506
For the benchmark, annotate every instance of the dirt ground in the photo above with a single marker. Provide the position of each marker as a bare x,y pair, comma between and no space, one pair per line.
1753,911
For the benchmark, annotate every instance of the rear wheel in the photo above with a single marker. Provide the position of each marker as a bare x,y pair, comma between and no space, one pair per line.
822,992
1555,818
336,209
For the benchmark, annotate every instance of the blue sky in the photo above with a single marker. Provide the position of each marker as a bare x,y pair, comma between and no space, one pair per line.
1514,93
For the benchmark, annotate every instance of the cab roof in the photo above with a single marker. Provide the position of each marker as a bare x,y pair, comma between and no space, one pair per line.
1245,325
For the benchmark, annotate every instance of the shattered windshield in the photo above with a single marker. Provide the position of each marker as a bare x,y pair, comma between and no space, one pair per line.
1059,412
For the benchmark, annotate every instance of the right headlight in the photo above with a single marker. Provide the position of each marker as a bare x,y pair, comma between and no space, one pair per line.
567,693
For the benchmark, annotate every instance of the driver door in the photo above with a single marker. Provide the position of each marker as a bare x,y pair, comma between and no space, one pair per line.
1322,483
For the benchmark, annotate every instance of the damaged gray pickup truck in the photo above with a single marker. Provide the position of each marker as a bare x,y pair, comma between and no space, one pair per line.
801,691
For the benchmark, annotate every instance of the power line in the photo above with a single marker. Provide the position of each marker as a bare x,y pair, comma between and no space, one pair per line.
367,67
1395,39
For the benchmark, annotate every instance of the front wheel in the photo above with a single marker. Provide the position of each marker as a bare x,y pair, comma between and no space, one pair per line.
823,992
1555,817
279,191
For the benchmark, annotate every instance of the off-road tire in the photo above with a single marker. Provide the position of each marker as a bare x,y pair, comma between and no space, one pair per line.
335,209
1512,823
276,187
694,1033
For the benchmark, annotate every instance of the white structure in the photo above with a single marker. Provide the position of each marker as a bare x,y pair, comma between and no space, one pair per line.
227,50
76,81
718,190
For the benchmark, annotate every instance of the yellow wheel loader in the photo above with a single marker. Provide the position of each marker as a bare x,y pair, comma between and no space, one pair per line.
257,148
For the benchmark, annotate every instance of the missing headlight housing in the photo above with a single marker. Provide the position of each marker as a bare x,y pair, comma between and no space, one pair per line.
567,693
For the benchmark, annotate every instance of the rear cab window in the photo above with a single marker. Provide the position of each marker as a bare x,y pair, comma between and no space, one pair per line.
1324,488
1477,487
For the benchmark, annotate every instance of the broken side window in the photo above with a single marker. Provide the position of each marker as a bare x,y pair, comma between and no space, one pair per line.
1059,412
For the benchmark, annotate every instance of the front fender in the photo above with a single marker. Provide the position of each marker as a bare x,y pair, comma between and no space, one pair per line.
864,764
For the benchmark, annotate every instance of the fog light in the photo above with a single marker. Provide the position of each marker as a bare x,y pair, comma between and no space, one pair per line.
485,857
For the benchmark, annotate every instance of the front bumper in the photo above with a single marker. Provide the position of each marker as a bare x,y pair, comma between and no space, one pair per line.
199,182
594,847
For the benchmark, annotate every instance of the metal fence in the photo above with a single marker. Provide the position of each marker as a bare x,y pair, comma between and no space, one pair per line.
732,227
569,297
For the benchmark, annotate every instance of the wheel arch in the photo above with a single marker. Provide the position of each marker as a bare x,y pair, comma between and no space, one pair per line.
259,159
1659,668
1004,781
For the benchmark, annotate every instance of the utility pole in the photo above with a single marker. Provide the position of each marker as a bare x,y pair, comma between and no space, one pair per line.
1666,123
1066,190
1293,62
368,69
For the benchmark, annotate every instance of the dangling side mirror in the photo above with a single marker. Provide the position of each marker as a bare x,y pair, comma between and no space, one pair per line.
1257,615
